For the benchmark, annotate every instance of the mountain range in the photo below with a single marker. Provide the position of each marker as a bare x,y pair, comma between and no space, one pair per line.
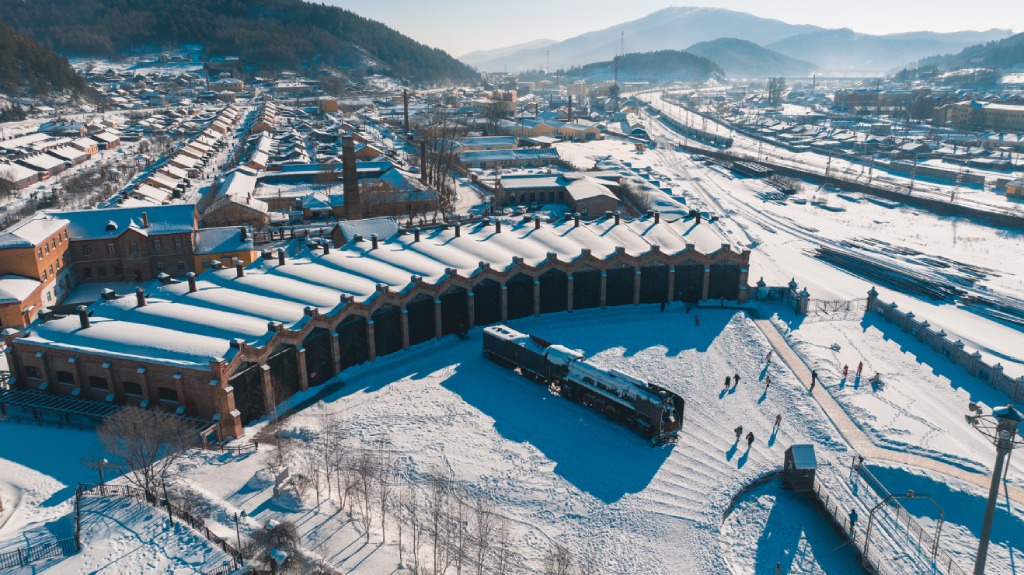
660,66
1000,54
745,58
678,28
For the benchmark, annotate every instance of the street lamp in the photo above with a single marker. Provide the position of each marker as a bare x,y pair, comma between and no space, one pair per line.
1001,427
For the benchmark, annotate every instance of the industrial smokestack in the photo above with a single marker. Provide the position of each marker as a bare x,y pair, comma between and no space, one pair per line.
405,106
140,297
349,177
570,107
83,316
239,269
191,277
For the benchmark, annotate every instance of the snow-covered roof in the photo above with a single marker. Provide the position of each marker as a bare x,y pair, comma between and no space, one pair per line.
110,223
385,228
177,327
42,162
31,231
16,172
222,240
586,188
15,289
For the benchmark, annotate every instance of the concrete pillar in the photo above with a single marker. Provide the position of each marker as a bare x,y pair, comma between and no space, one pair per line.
636,287
300,360
437,319
569,294
471,308
335,352
707,283
504,303
536,297
405,328
604,289
269,402
671,283
371,340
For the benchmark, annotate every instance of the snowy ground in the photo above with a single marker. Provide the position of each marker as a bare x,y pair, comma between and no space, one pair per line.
772,526
561,472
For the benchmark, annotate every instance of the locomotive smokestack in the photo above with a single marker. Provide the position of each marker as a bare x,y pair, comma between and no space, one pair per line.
191,277
140,297
83,316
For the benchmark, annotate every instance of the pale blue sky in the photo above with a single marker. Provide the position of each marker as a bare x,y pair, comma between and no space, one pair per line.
461,26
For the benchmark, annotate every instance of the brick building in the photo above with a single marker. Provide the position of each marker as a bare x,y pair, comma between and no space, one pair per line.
229,344
34,271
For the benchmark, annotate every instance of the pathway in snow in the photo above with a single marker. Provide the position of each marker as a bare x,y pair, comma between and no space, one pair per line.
852,433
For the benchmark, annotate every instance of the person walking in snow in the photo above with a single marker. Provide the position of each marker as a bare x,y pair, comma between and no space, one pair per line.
767,382
778,423
846,371
860,367
735,380
853,520
768,358
814,379
739,433
750,439
727,381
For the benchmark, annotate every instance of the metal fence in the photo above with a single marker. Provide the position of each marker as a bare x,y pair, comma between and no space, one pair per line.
21,557
875,559
197,523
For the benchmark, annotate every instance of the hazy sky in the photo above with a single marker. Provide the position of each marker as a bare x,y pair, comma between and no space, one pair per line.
461,26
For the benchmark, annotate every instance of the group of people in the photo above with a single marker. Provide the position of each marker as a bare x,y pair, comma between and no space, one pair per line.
733,381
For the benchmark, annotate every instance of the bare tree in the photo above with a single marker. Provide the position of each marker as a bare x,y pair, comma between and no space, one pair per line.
440,142
366,472
414,514
144,444
439,491
327,175
776,87
503,549
494,112
458,537
483,529
558,561
386,475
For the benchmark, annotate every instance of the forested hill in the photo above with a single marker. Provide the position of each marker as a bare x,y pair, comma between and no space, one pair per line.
659,66
269,33
1001,55
26,66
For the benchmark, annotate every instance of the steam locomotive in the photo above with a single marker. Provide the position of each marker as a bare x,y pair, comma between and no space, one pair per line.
654,412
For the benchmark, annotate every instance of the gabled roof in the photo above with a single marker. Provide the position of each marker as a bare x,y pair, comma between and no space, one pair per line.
111,223
31,231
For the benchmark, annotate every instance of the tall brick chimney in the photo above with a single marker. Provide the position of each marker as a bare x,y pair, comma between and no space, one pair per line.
405,107
349,178
423,163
